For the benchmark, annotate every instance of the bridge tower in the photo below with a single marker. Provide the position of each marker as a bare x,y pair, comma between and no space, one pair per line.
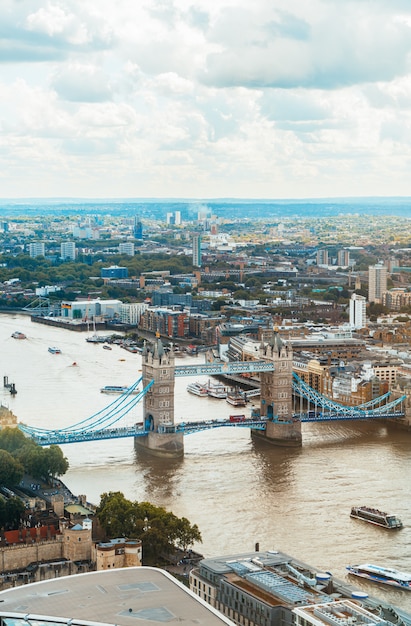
158,404
276,395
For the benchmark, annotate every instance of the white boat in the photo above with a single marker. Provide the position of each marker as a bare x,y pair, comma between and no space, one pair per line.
236,398
216,390
119,389
383,575
54,350
197,389
376,517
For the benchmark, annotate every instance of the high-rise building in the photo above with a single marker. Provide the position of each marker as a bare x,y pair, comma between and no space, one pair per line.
177,218
127,247
343,258
358,311
197,251
138,228
377,282
322,256
68,251
37,249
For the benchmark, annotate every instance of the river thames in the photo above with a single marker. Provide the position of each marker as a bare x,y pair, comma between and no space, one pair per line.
239,492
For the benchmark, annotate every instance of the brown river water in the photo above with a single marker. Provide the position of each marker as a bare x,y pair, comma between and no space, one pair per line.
238,492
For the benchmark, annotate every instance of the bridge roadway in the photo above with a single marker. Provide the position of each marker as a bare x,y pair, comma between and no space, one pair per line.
187,428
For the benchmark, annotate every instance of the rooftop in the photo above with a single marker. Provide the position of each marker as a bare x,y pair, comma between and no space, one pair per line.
127,596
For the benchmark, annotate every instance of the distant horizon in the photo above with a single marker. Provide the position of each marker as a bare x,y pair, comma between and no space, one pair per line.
167,199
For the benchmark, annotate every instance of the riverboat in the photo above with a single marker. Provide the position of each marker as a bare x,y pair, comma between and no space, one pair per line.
376,517
18,335
236,398
197,389
382,575
54,350
119,389
216,390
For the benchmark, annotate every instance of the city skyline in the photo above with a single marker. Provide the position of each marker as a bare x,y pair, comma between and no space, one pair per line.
205,99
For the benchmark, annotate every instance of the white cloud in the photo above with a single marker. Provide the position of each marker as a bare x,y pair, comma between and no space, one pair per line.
205,97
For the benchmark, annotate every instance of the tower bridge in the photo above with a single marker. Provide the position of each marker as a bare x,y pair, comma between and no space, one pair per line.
276,422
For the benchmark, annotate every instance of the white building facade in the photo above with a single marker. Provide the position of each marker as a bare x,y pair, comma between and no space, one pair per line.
358,306
130,313
68,251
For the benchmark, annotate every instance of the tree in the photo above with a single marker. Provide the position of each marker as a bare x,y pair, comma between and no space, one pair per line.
11,471
13,513
160,531
12,439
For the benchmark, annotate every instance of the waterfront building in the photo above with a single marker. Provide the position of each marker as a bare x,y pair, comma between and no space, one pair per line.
143,595
377,282
272,588
358,307
68,251
127,247
37,248
197,251
130,313
114,271
90,309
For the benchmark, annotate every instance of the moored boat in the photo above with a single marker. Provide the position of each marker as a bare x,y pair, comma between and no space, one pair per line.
216,390
383,575
376,517
18,335
197,389
54,350
119,389
236,398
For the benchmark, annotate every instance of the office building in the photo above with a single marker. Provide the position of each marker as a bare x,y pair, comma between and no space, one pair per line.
377,282
130,313
126,247
37,249
68,251
197,251
131,595
358,305
322,257
138,228
271,588
114,271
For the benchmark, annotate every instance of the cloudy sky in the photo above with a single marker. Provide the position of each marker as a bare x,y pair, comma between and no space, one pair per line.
205,98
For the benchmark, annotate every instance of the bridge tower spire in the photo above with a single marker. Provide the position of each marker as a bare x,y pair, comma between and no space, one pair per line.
276,394
158,404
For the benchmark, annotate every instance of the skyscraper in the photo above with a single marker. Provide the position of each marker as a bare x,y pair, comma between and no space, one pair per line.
377,282
138,228
357,311
197,251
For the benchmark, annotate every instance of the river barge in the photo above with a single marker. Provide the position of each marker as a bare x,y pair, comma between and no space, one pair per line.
376,517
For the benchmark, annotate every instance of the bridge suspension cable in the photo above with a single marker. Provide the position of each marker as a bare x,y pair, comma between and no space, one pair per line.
106,417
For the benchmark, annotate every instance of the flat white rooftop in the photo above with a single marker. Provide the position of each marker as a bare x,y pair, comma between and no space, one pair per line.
126,597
